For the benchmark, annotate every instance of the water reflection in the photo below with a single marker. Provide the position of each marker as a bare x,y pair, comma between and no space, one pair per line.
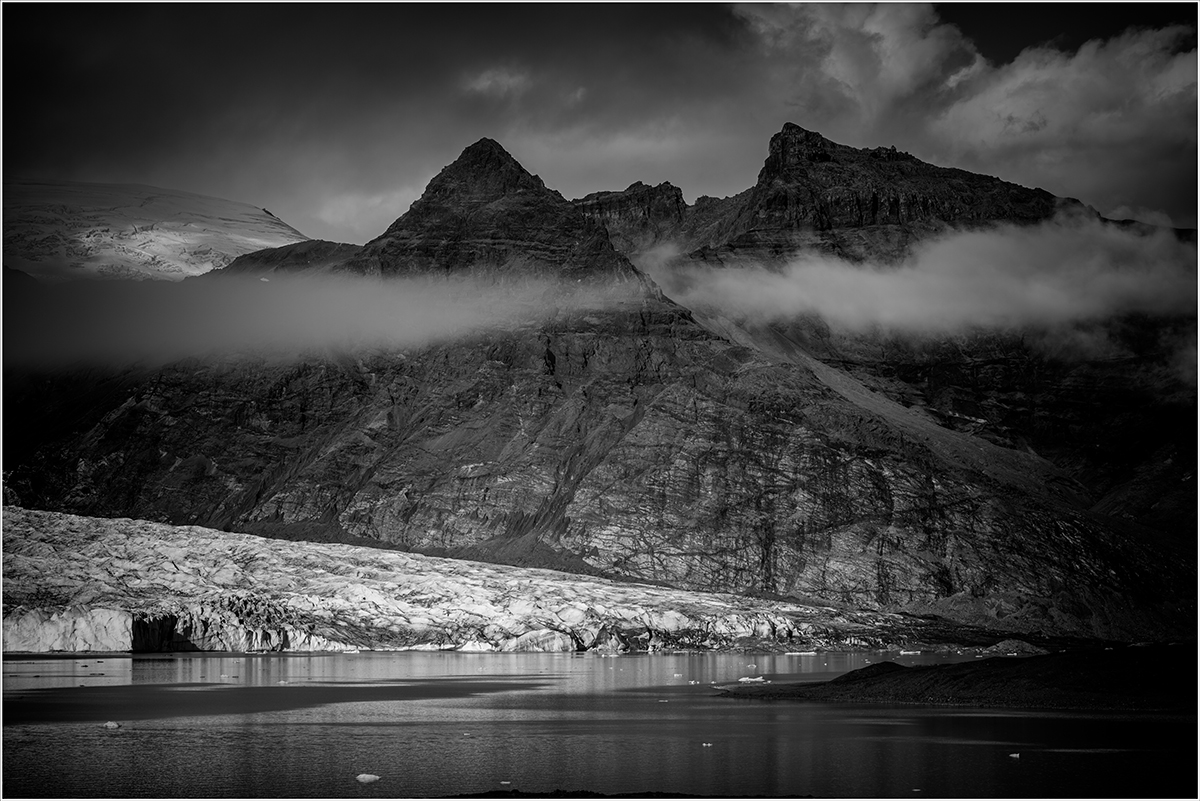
603,673
25,674
453,723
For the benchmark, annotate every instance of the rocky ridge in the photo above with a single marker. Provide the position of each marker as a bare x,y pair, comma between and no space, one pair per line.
59,231
630,441
815,194
312,256
87,584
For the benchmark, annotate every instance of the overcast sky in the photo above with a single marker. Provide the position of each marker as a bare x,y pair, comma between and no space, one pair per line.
335,117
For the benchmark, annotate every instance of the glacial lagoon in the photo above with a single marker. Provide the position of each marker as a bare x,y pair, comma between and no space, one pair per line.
453,723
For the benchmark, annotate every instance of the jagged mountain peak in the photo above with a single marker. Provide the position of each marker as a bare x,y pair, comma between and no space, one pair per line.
793,149
641,186
484,213
636,190
816,194
484,170
791,130
484,145
811,189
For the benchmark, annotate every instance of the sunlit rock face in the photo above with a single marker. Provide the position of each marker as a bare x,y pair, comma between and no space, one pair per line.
87,584
57,231
627,441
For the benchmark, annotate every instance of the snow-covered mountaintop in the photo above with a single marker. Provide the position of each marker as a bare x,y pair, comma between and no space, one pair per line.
62,230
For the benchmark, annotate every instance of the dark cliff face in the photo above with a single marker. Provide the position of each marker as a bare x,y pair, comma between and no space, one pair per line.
629,441
639,217
809,181
864,204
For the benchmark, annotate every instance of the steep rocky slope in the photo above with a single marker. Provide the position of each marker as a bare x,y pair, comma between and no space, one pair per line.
1121,423
60,231
624,439
86,584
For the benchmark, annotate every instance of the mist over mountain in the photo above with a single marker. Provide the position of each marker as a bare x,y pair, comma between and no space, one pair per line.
837,386
1069,269
284,318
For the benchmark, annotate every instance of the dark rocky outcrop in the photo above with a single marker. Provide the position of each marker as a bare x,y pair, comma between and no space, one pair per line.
862,204
627,440
312,256
1161,677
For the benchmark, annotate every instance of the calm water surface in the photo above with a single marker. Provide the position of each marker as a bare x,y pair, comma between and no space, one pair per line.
434,724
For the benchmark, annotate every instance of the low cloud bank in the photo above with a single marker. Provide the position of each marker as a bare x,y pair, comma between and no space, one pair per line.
122,323
1059,273
1064,287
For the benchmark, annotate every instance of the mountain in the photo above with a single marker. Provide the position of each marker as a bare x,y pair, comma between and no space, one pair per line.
1118,418
614,434
485,214
814,194
57,230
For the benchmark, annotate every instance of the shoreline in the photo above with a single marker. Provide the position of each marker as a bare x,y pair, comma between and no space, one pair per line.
1135,678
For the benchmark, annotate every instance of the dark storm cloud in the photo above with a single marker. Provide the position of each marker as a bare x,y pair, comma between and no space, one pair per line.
1000,34
1112,123
335,117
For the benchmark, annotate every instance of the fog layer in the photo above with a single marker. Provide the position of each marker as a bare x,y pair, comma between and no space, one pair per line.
1071,270
120,323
